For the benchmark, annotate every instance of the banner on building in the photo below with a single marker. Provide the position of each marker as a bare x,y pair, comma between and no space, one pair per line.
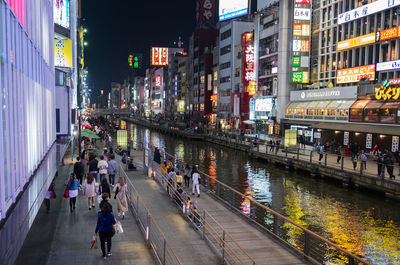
368,143
159,56
346,138
122,138
290,138
205,11
61,13
395,143
236,105
63,53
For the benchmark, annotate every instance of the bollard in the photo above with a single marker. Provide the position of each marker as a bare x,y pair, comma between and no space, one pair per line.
342,163
298,154
326,158
311,154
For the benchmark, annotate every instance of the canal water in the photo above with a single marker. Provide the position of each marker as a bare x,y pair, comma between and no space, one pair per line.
364,223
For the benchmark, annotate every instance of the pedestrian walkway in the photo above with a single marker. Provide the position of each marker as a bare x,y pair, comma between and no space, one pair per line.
188,245
62,237
261,247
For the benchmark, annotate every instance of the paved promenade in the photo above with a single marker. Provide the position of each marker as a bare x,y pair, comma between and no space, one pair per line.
261,248
61,237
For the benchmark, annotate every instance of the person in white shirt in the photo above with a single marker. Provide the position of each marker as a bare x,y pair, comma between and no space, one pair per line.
102,166
196,182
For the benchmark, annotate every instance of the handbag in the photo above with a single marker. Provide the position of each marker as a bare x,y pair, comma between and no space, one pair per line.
66,192
52,194
116,192
119,227
114,230
99,199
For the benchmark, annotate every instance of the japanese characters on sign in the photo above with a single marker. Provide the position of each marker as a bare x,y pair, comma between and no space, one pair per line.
352,75
63,53
158,80
367,10
159,56
387,66
395,81
386,93
301,41
206,11
248,60
355,42
389,33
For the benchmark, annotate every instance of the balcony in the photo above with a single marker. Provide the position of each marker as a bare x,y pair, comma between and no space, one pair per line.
266,53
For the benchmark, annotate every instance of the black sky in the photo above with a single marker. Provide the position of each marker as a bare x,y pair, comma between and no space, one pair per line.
118,27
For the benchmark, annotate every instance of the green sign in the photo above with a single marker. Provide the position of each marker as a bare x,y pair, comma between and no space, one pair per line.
296,61
136,62
300,77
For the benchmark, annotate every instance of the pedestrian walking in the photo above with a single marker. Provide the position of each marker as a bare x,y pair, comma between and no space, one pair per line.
380,163
389,166
90,189
112,169
171,179
363,158
164,172
120,191
104,187
179,180
170,165
339,154
105,204
73,186
79,169
93,166
104,227
102,165
196,182
355,161
50,195
321,152
187,175
157,156
105,154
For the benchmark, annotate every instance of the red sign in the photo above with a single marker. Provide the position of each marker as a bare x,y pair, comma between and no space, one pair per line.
302,1
159,56
158,80
17,6
395,81
248,73
205,11
389,33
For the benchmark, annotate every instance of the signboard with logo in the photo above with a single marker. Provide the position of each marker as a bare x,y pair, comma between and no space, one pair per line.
122,138
394,81
248,62
206,11
395,143
290,138
356,42
236,105
346,138
159,56
388,66
264,104
386,92
334,93
368,143
301,41
62,53
232,8
352,75
252,112
389,33
367,10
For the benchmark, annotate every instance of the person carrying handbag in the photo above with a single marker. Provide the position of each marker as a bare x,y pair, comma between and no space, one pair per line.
72,186
104,227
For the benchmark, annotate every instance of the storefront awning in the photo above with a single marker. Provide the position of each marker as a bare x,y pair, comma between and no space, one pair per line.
360,104
390,105
362,128
340,104
298,105
374,104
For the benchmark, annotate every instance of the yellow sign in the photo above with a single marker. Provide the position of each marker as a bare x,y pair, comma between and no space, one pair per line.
122,138
252,88
181,106
290,138
63,53
351,75
123,125
386,93
355,42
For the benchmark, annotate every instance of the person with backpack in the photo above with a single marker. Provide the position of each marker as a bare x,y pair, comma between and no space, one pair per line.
79,169
196,182
104,227
112,169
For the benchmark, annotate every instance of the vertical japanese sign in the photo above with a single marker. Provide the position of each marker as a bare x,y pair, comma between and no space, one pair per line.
63,53
395,143
205,11
368,143
346,138
302,14
248,59
159,56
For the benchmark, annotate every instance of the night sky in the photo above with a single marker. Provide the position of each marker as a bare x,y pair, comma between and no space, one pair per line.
116,28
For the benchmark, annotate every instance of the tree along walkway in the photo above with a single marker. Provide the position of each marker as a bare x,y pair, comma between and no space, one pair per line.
62,237
260,246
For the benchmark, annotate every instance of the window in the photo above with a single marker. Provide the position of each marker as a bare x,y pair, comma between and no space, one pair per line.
225,65
201,107
225,79
202,79
226,34
225,50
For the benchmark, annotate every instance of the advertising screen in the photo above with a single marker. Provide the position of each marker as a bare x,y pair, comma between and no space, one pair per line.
232,8
351,75
355,42
63,53
263,104
61,13
159,56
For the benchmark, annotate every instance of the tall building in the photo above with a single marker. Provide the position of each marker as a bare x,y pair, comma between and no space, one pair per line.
115,95
138,92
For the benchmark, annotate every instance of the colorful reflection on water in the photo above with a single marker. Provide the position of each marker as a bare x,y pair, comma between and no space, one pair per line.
365,224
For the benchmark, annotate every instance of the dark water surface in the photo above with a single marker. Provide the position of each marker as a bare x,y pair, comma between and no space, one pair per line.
363,223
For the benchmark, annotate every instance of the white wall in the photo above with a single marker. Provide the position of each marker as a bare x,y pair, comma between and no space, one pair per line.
62,100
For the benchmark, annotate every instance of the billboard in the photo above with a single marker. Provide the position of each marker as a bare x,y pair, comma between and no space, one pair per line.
232,8
159,56
61,13
352,75
62,53
302,13
248,60
264,104
389,34
205,11
388,66
355,42
367,10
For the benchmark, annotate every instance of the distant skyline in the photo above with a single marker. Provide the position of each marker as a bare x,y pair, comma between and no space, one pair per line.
115,30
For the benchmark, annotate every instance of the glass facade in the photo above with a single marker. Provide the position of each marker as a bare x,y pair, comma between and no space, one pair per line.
27,115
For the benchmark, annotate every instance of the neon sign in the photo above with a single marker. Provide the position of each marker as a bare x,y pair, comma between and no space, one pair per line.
159,56
395,81
248,59
386,93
